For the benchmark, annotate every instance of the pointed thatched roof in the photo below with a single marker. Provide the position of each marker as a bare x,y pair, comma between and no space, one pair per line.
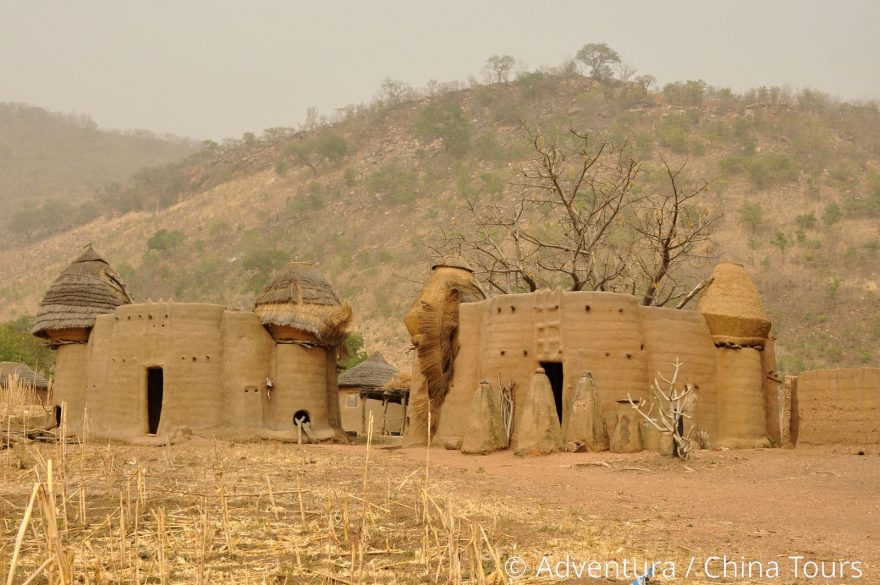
373,372
23,373
87,288
301,298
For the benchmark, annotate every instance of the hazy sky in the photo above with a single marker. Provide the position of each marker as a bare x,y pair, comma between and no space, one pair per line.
210,69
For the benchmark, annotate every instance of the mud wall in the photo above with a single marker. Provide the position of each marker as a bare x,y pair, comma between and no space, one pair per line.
70,383
740,398
300,382
671,335
247,355
351,417
214,366
839,406
621,343
183,340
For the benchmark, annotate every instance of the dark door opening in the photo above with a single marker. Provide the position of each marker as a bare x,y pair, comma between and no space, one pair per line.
155,390
554,373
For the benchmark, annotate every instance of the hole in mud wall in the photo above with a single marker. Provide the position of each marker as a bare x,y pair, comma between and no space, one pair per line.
555,374
155,392
302,416
58,416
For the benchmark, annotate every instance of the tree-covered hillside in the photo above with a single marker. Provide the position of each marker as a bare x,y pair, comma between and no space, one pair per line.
367,191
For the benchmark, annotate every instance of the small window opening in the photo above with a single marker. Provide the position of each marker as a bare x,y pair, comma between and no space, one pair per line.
301,416
555,374
155,391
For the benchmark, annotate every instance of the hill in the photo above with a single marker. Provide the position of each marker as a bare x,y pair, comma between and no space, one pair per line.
66,157
796,176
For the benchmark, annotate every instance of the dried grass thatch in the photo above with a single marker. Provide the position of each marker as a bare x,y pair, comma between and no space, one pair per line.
87,288
301,298
373,372
400,381
23,374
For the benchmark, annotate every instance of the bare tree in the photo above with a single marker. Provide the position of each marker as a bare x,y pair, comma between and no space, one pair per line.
393,92
669,410
673,231
577,217
625,71
498,67
646,81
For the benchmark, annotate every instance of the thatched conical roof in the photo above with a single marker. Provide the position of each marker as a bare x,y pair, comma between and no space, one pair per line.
23,373
373,372
301,298
87,288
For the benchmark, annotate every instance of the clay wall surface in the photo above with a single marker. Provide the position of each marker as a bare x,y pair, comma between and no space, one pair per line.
214,366
300,378
671,334
455,413
608,334
184,339
352,417
839,406
247,354
70,383
740,398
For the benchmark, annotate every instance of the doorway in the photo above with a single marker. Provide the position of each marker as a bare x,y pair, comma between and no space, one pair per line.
555,374
155,391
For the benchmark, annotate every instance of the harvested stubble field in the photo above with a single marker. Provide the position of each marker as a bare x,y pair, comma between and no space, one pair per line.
211,511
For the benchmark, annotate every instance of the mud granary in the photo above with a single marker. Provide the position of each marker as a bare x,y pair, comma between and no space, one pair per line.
130,371
468,346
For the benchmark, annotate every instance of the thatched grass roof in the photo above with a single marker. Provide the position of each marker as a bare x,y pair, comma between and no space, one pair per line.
298,296
87,288
373,372
24,374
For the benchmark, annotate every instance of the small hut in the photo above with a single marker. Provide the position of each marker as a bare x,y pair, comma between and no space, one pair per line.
370,387
87,288
23,375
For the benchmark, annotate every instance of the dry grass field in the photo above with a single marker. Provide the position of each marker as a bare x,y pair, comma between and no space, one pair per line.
207,510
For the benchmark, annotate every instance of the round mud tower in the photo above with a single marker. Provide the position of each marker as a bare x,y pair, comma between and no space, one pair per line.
741,418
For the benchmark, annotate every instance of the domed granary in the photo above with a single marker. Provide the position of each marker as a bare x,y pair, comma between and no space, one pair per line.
298,303
86,289
136,371
308,323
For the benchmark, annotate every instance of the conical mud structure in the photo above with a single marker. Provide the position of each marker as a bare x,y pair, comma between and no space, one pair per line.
539,431
741,332
584,422
486,430
89,287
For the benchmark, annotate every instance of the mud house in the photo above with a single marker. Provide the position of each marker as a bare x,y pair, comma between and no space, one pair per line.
372,388
130,371
479,346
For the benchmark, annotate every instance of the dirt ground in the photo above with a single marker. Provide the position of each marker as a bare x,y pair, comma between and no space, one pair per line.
209,511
